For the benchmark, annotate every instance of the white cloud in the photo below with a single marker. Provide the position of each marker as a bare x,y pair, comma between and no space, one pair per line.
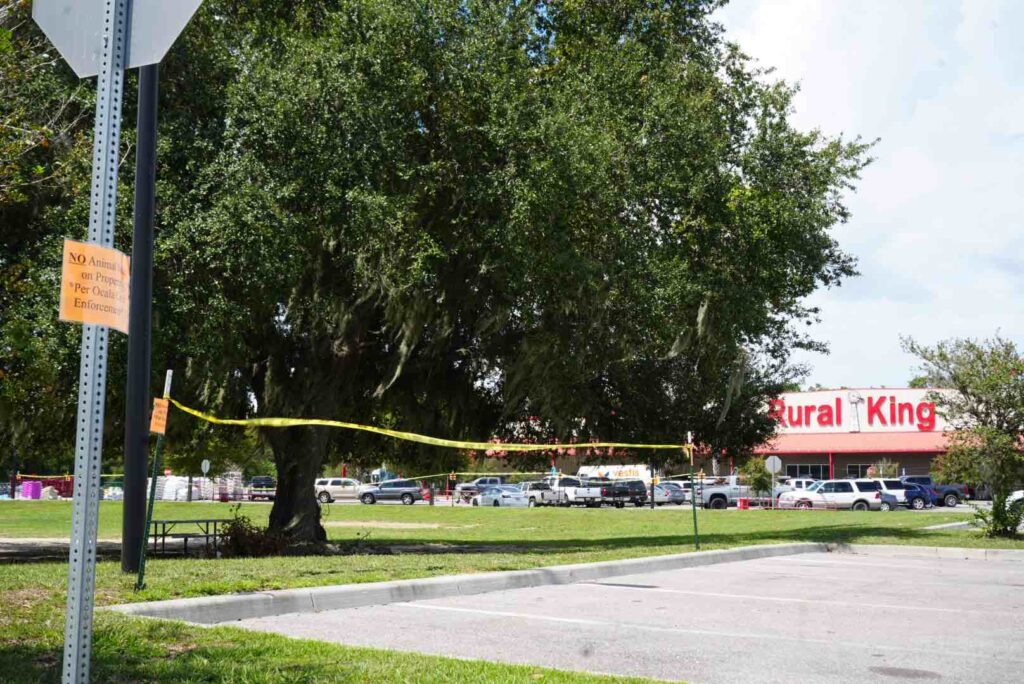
937,222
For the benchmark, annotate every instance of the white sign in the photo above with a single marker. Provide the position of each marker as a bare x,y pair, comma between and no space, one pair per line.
76,28
205,466
773,464
617,472
856,410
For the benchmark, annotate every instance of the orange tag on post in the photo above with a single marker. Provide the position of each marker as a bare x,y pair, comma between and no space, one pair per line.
158,423
94,285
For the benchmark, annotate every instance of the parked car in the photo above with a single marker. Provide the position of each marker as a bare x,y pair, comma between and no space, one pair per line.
951,494
920,497
467,490
262,487
664,494
503,495
726,491
633,491
799,482
889,502
894,486
540,494
574,491
858,495
329,489
406,491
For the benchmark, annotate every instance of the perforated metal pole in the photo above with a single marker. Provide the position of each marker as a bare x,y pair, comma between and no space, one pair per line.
92,377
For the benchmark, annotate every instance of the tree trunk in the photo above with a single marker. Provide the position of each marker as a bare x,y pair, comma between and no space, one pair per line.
298,455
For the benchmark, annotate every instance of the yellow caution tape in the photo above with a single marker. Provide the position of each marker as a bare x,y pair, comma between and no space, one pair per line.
412,436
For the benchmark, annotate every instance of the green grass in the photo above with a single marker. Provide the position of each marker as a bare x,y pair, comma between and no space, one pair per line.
442,541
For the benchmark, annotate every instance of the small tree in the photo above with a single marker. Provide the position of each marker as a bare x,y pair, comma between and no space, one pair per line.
885,468
984,455
987,409
756,475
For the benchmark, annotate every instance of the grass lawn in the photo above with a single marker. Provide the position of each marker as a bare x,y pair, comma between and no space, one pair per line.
445,541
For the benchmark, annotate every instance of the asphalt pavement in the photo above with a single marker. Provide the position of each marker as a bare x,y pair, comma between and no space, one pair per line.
831,618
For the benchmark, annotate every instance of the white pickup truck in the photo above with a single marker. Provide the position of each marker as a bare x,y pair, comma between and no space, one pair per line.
572,491
541,494
722,492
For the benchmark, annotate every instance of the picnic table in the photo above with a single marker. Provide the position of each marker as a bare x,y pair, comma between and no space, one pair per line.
207,529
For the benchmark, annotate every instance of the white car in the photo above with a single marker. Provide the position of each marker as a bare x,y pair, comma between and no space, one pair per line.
502,495
330,488
858,495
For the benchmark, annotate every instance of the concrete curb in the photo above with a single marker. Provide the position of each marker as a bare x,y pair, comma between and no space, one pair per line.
945,552
215,609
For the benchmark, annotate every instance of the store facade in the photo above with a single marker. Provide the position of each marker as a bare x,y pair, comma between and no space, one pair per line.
840,433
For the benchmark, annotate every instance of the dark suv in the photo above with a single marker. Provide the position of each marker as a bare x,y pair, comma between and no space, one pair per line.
621,492
406,491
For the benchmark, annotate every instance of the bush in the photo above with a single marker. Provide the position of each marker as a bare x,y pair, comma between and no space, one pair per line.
242,539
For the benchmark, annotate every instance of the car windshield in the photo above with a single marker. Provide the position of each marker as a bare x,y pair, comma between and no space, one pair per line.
509,488
813,486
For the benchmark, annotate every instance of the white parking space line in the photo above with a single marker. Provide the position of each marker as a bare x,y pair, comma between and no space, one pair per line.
782,599
618,626
926,563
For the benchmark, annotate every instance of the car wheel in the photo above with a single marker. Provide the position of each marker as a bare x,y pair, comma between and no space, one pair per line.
860,506
368,499
620,504
407,499
532,503
324,497
497,503
886,506
638,504
803,505
475,502
718,504
917,503
951,500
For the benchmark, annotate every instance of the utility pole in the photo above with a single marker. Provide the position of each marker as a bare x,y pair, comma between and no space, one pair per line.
136,433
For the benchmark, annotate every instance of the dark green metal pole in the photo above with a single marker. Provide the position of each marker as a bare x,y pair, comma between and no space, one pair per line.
140,583
693,505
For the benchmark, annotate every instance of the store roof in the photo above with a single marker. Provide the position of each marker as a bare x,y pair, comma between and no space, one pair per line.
856,443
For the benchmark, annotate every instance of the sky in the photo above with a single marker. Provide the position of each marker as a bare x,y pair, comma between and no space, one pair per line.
938,217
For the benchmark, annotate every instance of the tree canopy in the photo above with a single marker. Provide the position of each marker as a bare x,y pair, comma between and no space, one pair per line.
452,216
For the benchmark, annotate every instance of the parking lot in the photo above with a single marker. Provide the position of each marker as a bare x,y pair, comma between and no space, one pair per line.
811,618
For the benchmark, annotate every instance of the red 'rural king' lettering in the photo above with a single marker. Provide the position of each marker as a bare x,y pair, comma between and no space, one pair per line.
903,413
802,416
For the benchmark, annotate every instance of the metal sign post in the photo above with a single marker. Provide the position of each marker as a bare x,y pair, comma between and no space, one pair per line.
100,38
774,466
92,378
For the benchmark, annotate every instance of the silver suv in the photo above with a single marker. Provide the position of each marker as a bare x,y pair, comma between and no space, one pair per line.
406,491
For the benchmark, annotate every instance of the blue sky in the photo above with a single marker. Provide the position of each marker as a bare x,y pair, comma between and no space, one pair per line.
937,219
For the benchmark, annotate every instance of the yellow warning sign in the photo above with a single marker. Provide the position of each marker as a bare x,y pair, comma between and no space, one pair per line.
94,285
158,423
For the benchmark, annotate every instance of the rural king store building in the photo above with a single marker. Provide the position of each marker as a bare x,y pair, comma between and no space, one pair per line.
840,433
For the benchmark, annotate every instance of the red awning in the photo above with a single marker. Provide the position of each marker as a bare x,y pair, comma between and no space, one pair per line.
856,443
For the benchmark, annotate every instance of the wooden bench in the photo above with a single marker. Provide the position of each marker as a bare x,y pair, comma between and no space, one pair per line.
208,529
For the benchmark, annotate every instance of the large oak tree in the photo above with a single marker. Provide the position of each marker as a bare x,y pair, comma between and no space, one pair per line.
450,216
